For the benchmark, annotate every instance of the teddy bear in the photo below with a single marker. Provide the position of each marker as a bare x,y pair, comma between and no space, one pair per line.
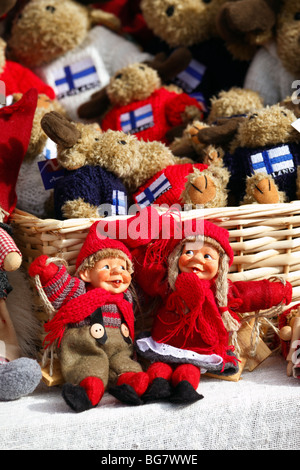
140,105
186,186
193,25
34,189
275,67
72,47
227,109
245,25
264,142
120,161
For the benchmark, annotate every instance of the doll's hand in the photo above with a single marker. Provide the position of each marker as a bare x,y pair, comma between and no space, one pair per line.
12,261
40,267
191,289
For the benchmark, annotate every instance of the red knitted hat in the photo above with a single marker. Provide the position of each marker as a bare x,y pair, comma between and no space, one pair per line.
95,242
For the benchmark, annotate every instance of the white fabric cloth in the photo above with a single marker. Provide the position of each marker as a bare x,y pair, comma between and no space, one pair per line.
31,193
259,412
267,76
103,50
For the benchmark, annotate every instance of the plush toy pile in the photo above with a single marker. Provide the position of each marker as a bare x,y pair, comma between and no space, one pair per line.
111,105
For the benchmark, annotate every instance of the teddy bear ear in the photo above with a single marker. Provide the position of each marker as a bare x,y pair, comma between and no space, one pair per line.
96,106
246,22
6,6
107,19
59,129
169,67
220,134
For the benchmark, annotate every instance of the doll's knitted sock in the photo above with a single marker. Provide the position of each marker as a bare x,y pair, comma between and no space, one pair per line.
94,389
159,369
187,372
139,381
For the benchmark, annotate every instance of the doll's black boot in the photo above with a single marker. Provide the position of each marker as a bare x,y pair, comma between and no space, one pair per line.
160,389
184,393
76,397
126,394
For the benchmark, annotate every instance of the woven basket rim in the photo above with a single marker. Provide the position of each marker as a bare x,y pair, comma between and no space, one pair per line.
217,213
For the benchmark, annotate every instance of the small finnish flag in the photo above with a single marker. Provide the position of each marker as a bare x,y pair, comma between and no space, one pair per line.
152,192
119,205
273,160
137,120
75,78
190,78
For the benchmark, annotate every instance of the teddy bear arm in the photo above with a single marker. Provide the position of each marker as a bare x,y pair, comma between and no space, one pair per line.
78,208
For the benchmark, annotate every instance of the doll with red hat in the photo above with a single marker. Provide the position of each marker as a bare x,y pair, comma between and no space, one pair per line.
94,320
199,307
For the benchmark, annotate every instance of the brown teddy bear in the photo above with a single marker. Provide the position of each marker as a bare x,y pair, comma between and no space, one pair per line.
265,142
60,42
140,105
121,162
193,25
275,68
34,191
200,140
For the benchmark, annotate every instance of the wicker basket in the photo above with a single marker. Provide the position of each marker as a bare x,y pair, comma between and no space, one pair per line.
265,240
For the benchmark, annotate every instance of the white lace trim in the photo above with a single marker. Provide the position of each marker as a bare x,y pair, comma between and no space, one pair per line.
146,344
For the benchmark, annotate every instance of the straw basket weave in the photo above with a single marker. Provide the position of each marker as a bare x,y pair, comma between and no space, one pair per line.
265,239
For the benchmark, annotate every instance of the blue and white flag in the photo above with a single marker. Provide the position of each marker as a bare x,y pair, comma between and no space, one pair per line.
76,78
153,191
119,204
137,120
191,77
50,150
273,161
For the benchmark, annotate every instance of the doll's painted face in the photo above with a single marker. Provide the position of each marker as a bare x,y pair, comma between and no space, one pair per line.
203,260
110,274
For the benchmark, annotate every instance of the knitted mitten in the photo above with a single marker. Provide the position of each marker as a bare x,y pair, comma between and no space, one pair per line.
45,272
84,396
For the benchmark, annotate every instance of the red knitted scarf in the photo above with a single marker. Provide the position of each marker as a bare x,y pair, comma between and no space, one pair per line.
81,307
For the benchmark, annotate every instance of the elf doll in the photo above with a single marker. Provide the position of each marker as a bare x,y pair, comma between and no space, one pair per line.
199,306
94,323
